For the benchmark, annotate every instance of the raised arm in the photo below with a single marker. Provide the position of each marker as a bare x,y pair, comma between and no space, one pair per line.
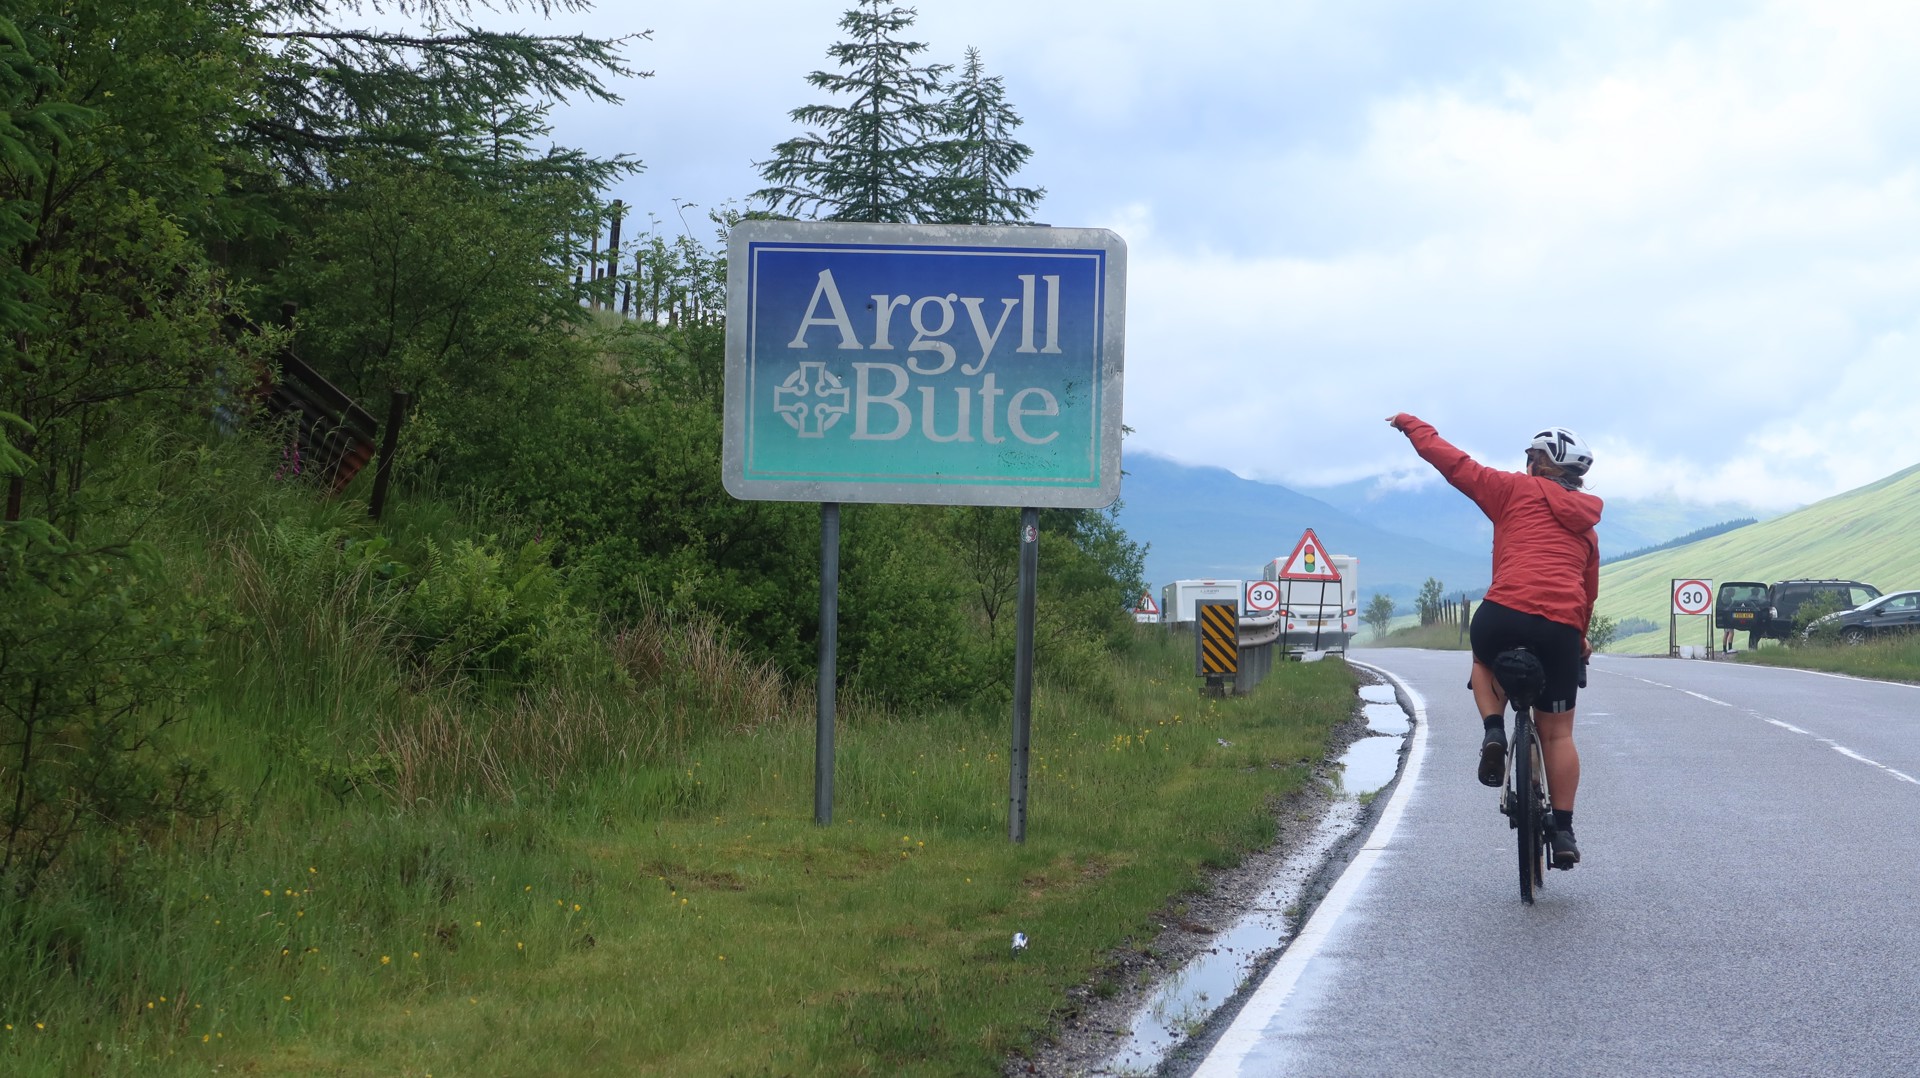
1486,486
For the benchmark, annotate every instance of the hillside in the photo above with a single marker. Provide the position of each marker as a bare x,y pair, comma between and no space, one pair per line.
1864,534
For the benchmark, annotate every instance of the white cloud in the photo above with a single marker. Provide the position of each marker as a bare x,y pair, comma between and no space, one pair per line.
1721,225
1684,229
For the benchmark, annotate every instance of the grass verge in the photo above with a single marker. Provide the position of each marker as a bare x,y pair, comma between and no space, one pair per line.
1437,637
1895,659
643,912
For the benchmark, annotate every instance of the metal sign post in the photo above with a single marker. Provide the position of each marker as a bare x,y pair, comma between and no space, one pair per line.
1023,675
829,644
924,365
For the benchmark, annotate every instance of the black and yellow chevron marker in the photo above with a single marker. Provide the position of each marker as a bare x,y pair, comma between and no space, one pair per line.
1219,631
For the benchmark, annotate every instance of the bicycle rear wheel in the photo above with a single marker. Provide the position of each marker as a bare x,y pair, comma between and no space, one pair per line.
1530,828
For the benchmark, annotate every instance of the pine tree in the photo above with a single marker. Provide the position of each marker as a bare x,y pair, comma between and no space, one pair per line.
876,157
980,152
467,99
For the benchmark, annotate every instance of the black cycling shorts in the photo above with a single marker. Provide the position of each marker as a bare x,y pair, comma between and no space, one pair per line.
1498,628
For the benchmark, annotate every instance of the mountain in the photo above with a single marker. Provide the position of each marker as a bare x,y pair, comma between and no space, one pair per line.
1201,522
1865,534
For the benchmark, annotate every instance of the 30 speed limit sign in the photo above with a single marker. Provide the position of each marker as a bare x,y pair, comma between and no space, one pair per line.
1692,596
1263,597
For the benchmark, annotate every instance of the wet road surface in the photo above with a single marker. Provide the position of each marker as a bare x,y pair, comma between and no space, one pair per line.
1749,900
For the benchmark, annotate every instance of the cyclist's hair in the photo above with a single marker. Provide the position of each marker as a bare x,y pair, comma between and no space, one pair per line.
1539,459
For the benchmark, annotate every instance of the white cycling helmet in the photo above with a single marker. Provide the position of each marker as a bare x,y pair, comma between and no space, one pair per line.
1564,448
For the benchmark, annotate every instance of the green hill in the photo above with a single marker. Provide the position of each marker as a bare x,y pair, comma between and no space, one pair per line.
1865,534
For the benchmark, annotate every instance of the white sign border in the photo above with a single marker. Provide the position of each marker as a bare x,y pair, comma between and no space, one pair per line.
853,490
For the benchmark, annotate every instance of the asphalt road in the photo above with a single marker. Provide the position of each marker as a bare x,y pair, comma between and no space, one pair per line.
1748,902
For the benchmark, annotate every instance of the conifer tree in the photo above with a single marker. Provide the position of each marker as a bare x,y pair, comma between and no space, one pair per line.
876,156
981,154
467,98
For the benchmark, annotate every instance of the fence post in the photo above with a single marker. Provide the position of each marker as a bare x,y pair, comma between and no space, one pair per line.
618,209
383,472
593,269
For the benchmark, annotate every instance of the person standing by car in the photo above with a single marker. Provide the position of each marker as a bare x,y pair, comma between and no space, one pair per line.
1546,576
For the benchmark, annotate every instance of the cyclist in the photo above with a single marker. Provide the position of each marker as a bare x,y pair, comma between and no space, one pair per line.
1546,575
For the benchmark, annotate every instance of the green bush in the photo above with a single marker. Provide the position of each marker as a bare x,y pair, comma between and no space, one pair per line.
1602,632
98,651
903,620
496,615
1816,607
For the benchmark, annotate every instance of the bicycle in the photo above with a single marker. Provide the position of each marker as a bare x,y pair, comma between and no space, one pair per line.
1525,800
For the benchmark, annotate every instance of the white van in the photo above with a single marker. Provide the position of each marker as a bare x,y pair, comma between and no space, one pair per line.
1178,598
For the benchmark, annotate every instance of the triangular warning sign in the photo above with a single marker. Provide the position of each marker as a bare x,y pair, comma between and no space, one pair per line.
1146,605
1309,561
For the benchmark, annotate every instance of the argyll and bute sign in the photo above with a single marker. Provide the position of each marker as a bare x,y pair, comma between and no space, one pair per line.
929,364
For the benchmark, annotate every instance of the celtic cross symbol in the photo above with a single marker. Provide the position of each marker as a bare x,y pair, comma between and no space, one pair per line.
811,383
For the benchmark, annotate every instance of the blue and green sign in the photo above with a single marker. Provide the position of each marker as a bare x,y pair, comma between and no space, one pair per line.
932,364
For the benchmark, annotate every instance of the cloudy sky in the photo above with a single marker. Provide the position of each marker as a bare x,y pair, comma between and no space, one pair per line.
1689,230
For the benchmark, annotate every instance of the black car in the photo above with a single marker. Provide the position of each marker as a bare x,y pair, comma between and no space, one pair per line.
1785,598
1895,612
1741,605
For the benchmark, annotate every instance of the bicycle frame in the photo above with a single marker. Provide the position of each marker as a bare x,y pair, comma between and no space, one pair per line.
1525,800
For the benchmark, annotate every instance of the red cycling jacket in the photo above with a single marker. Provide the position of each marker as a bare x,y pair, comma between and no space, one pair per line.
1546,558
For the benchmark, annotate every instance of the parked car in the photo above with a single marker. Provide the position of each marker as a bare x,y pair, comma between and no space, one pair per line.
1785,598
1895,612
1741,605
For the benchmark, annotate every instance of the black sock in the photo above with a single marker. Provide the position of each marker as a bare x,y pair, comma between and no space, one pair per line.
1563,819
1495,722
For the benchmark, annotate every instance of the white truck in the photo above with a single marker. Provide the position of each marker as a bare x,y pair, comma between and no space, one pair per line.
1319,615
1178,598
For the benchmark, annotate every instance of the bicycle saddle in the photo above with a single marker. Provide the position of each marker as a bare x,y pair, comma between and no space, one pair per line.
1521,676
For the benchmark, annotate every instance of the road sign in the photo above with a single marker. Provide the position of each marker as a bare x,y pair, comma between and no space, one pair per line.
1309,560
924,364
1263,597
1218,639
1692,596
1146,605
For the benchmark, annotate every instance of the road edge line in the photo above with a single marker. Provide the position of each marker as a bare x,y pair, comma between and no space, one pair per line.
1233,1047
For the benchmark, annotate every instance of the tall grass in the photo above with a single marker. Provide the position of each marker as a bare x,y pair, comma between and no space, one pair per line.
424,871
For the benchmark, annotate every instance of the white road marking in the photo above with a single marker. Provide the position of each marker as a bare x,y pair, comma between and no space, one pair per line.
1233,1047
1836,746
1850,677
1842,749
1852,755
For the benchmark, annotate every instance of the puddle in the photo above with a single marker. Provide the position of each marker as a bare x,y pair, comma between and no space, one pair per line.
1184,1002
1387,719
1378,694
1368,764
